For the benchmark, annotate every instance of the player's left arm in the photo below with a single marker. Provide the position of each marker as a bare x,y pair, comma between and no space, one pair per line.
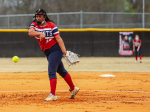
61,43
139,46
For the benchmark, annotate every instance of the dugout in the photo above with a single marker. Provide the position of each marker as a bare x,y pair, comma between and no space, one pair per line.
86,42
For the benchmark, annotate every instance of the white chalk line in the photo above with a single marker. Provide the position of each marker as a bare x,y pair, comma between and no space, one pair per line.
80,90
115,102
86,101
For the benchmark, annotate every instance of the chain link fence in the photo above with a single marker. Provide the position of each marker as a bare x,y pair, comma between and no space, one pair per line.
80,20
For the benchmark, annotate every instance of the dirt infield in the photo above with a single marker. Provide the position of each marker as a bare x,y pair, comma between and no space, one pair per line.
25,92
24,85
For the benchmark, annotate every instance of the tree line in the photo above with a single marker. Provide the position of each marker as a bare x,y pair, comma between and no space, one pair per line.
54,6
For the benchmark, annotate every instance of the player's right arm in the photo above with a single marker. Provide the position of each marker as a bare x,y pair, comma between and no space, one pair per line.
33,33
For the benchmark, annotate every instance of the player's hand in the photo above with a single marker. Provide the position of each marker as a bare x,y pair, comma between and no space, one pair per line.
42,36
65,52
133,50
137,50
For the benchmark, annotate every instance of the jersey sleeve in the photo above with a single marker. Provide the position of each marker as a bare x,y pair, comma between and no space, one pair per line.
32,26
55,30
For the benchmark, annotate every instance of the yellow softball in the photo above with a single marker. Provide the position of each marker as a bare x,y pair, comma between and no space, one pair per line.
15,59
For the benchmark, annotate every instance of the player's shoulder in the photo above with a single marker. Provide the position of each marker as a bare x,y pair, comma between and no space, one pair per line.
51,24
33,23
134,40
139,40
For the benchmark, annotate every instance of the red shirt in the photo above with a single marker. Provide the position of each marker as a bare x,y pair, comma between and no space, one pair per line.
137,43
50,30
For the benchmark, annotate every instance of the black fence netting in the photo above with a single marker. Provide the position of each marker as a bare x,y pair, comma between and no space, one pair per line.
18,43
86,43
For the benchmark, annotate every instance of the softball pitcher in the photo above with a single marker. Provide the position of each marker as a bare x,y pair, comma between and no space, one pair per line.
137,48
47,34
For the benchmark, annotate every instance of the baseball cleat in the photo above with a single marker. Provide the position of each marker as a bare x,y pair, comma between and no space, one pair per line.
140,61
74,92
51,97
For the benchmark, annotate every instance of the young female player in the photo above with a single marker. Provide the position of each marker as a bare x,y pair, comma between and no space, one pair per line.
137,48
47,34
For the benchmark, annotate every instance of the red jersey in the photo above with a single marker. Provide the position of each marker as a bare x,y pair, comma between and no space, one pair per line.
50,30
137,43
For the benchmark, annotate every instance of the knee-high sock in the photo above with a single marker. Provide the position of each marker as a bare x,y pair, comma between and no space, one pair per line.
136,58
140,57
53,83
68,79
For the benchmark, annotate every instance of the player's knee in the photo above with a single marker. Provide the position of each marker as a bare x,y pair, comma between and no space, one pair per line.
136,53
62,73
52,75
140,53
